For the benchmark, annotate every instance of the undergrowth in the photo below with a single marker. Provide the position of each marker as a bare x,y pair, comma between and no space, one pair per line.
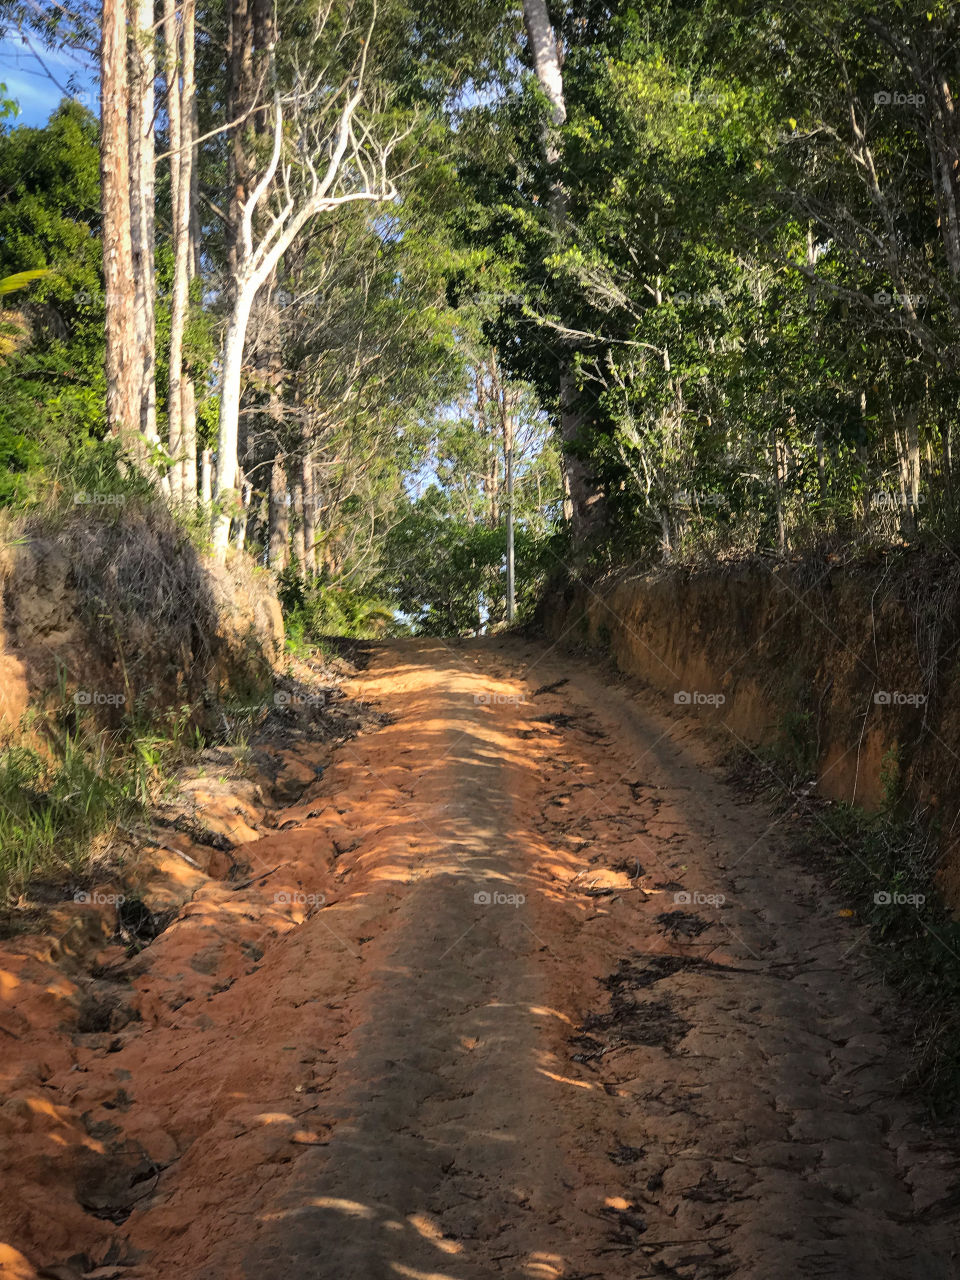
81,782
52,809
155,637
316,609
883,868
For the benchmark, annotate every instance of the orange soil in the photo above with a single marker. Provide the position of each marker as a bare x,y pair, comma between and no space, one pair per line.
355,1067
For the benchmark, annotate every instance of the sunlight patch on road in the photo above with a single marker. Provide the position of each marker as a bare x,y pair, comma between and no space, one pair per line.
552,1075
352,1207
273,1117
430,1231
542,1266
544,1011
401,1270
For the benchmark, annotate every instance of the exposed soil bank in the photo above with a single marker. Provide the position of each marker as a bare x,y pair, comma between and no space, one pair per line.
117,606
854,671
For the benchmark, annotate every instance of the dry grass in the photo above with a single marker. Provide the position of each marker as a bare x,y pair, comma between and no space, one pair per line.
114,598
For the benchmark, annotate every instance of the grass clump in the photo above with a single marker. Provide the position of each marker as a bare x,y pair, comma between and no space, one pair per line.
52,808
65,799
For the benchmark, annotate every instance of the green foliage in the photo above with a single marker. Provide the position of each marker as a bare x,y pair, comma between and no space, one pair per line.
717,282
51,381
444,575
447,576
316,608
48,469
50,810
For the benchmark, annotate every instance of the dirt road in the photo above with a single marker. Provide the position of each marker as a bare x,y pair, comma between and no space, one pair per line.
558,1004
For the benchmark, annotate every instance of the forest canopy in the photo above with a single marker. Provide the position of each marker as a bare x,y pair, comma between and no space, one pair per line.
392,295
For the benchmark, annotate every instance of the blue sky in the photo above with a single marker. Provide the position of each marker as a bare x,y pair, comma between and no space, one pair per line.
38,78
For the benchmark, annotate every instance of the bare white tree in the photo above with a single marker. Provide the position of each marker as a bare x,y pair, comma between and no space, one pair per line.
323,156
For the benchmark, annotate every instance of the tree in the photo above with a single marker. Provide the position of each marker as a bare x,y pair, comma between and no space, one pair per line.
179,58
142,73
124,366
582,503
322,121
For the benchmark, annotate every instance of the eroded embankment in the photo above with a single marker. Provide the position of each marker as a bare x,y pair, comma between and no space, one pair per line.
852,671
108,1073
117,605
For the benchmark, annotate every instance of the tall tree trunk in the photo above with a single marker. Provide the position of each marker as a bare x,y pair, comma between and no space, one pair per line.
277,549
183,259
778,491
308,514
194,190
171,67
142,71
583,505
543,50
666,547
227,441
188,400
508,437
250,31
242,519
189,396
206,477
123,368
492,478
296,510
908,451
492,483
812,309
